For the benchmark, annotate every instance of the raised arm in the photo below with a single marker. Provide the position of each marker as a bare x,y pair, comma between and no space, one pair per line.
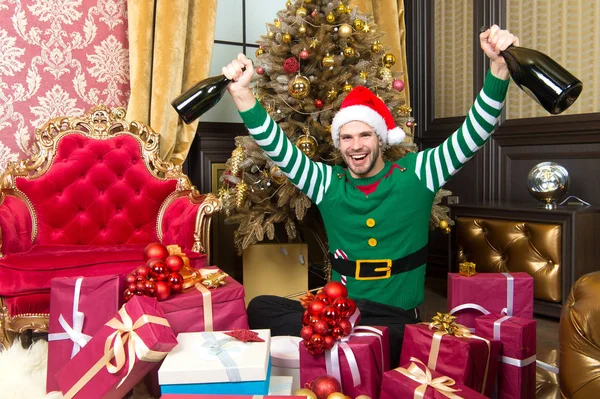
310,177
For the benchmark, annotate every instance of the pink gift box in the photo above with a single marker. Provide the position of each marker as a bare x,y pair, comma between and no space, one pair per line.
366,350
147,338
461,358
484,293
82,305
186,311
516,372
397,385
200,396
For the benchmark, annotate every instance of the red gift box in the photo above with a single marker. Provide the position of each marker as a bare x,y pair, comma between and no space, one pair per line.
415,380
469,359
79,307
201,396
120,353
201,309
516,371
358,362
485,293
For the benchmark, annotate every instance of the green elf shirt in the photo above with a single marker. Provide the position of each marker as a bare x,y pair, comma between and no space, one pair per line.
388,217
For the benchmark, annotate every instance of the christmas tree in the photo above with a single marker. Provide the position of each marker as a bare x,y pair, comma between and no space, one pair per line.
313,54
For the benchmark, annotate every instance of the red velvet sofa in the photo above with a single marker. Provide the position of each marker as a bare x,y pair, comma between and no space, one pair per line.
88,201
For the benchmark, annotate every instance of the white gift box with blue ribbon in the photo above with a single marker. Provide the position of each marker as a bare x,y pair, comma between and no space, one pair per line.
216,363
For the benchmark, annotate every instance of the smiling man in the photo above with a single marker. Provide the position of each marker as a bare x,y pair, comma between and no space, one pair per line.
376,212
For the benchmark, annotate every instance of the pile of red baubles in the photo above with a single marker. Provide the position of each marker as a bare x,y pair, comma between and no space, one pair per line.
326,318
158,277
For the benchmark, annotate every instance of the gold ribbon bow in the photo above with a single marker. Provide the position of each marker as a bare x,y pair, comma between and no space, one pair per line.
214,280
441,384
125,333
193,278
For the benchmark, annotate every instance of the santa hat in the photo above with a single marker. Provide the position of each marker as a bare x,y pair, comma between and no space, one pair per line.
361,104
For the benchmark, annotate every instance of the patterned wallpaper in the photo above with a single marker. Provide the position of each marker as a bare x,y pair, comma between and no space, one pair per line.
58,57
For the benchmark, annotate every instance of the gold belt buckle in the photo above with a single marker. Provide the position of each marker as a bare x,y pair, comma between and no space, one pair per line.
387,269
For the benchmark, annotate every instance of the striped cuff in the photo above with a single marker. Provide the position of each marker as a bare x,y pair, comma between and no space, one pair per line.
255,116
495,88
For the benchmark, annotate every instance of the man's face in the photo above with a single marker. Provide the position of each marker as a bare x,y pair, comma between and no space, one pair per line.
361,149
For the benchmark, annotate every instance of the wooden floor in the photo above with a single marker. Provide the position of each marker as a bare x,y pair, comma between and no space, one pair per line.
547,336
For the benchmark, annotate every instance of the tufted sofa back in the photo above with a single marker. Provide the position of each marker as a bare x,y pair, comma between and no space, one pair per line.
96,192
514,246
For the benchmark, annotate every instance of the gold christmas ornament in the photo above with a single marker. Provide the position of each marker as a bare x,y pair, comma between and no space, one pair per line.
314,42
336,395
389,60
330,18
358,24
385,73
348,9
301,12
348,87
305,392
286,38
366,28
260,51
376,46
237,156
363,75
332,94
288,4
328,61
307,144
348,52
341,8
299,87
277,22
241,189
345,31
467,269
302,29
443,224
270,34
277,175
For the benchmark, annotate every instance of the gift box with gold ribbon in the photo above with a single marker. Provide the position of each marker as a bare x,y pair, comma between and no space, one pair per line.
416,380
452,350
120,354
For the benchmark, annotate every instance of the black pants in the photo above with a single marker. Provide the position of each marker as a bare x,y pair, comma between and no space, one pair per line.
284,317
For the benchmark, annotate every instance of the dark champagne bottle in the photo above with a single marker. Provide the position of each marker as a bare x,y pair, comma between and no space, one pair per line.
200,98
542,78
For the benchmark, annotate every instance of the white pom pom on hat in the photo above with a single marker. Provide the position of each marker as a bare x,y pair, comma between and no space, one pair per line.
361,104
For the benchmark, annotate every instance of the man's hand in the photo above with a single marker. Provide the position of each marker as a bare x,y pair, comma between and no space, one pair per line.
239,88
493,41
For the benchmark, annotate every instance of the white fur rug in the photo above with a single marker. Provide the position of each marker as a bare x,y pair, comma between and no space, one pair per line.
23,373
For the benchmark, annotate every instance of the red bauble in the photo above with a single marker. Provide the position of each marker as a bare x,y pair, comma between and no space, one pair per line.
306,318
291,65
174,263
140,286
260,70
152,261
149,288
323,298
317,340
335,289
160,271
316,307
143,270
325,385
410,123
397,84
304,54
328,342
321,327
342,304
130,279
155,250
306,332
346,326
352,309
127,295
337,332
318,103
132,287
330,315
162,290
175,280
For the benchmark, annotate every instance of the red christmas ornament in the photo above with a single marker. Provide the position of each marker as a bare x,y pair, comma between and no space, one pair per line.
323,298
132,287
410,123
321,327
330,315
325,385
175,280
317,340
155,250
335,289
140,286
306,332
346,326
160,271
316,307
149,288
260,70
152,261
306,318
130,279
328,342
162,290
342,304
127,295
291,65
304,54
397,84
174,263
144,270
337,332
319,103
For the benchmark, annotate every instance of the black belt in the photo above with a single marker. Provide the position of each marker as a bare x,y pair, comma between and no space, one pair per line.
376,269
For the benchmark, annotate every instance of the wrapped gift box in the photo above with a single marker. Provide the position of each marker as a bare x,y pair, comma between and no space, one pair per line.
208,396
281,385
285,358
484,293
78,308
405,381
472,362
366,350
137,337
214,362
516,372
202,309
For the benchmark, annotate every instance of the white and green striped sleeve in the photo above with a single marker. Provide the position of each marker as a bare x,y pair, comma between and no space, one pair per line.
313,178
435,166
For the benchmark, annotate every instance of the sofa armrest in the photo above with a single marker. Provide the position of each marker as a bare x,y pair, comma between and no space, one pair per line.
186,221
15,225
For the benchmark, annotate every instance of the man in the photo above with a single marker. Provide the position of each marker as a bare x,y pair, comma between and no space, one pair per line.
376,213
